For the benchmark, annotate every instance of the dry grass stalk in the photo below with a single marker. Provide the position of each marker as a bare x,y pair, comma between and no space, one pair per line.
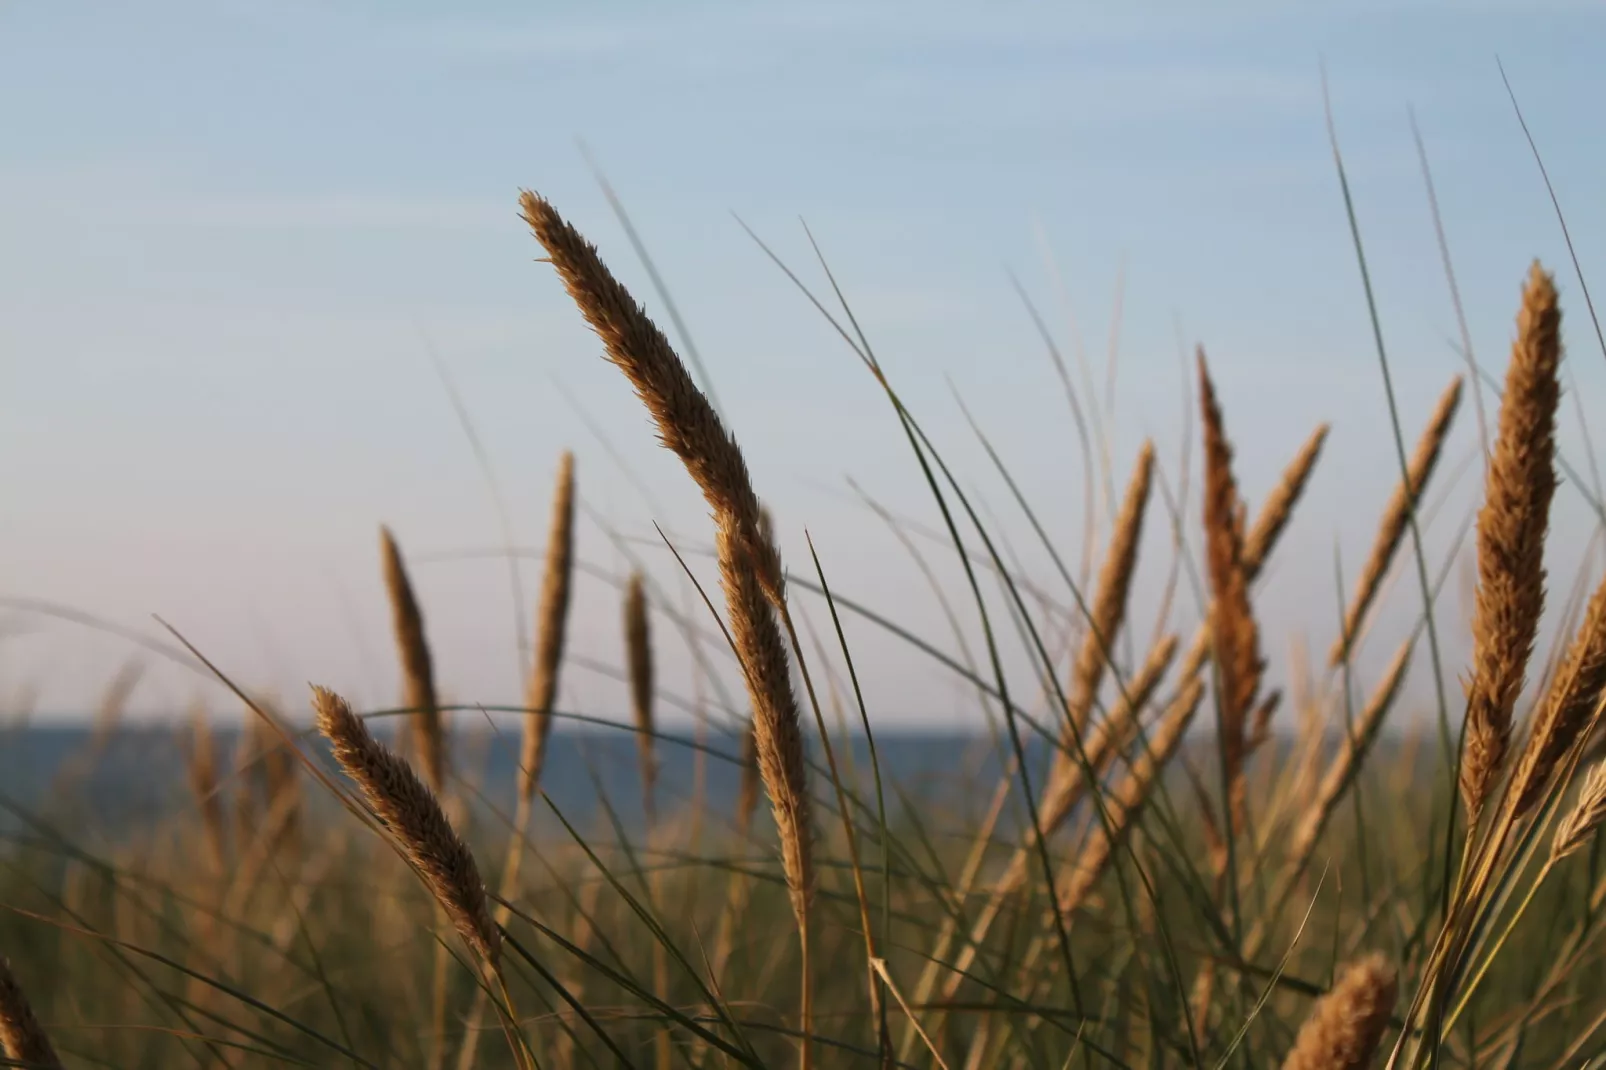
1343,1029
1511,540
1347,763
414,817
638,656
1108,611
1575,689
201,769
1125,804
1279,505
1574,830
1396,516
1268,527
777,734
552,617
687,423
1109,737
418,668
749,561
1234,634
22,1039
750,565
1064,790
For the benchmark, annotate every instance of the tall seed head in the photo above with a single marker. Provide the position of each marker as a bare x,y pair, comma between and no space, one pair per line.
414,817
1344,1027
1511,539
418,668
638,655
552,617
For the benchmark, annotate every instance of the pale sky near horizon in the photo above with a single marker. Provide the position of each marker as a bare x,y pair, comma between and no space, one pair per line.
232,232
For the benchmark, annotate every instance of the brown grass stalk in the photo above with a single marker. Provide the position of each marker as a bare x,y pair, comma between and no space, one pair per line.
749,562
1125,804
1234,634
1066,784
1346,765
1581,822
1343,1029
1396,515
413,815
1064,790
1511,538
1108,611
552,617
1278,507
1575,690
638,659
1270,523
428,740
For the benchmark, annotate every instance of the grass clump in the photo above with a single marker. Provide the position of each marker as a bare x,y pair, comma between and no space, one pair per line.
1123,892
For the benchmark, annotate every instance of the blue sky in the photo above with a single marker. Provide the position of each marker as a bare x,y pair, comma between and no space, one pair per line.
233,231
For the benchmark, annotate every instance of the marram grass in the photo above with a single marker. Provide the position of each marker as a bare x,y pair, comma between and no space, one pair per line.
1269,891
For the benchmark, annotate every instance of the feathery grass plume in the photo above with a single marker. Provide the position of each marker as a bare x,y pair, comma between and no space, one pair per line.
414,816
1270,522
750,564
687,423
1347,763
1396,515
1126,802
1344,1027
22,1039
1574,830
552,619
1511,540
1279,505
1109,605
638,656
418,668
1575,690
1108,738
1235,637
204,785
777,732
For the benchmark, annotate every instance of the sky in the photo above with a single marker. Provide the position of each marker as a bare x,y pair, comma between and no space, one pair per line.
238,239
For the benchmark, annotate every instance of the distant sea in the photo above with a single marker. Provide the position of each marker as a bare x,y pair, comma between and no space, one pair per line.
138,775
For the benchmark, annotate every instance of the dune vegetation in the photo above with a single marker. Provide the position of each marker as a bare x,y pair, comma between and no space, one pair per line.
1178,865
